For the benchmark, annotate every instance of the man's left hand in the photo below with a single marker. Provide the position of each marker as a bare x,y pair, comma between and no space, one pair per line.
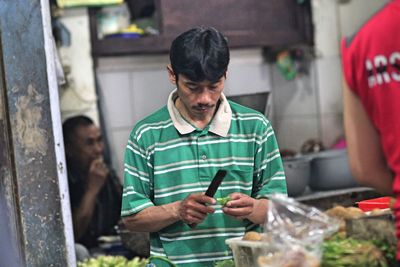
242,206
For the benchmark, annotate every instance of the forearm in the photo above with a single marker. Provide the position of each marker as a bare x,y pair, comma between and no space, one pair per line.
153,219
259,213
378,176
83,214
367,159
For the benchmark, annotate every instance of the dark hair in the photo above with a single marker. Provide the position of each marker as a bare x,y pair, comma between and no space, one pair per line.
200,53
71,124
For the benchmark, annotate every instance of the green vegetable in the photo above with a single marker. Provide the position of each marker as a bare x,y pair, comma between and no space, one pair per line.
113,261
163,259
224,263
388,250
223,200
349,252
120,261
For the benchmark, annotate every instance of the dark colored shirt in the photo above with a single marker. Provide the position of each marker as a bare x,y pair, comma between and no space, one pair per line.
107,208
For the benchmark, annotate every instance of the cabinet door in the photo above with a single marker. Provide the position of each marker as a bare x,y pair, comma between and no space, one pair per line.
245,22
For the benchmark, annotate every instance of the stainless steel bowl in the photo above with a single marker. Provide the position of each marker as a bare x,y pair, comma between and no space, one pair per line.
297,170
330,171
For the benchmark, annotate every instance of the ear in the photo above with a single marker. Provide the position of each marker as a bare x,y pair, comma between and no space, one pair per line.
171,74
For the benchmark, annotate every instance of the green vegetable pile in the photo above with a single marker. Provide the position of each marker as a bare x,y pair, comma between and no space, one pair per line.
113,261
349,252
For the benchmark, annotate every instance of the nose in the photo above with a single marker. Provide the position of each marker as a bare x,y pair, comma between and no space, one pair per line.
98,148
204,98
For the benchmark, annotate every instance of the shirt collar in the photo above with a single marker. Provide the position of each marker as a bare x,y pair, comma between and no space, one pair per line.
220,123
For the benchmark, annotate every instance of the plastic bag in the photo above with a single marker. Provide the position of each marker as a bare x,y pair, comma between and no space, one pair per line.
297,232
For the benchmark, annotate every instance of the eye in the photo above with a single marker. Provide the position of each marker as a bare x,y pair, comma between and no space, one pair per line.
192,87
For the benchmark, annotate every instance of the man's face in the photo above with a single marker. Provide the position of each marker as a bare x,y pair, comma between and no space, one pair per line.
86,146
199,98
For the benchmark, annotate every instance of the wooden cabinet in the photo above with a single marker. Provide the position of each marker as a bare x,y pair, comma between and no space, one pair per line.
246,23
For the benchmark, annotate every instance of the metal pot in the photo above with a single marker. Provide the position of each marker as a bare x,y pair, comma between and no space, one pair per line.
330,170
137,242
256,101
297,172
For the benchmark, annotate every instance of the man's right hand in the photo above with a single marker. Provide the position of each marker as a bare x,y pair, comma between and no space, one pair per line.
193,209
97,176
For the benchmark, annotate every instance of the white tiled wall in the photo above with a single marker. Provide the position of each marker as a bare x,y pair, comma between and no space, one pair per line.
117,99
133,87
295,108
80,95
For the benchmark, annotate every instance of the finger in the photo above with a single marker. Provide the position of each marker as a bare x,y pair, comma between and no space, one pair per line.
193,217
198,207
239,203
196,215
236,195
205,199
245,211
200,200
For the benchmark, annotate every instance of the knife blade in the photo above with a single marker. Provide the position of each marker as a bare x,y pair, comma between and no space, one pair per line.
216,181
213,187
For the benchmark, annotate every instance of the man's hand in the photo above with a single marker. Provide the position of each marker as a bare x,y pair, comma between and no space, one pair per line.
193,209
242,206
97,176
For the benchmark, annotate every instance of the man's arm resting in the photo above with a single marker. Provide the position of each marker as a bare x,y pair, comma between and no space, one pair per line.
82,215
367,161
153,219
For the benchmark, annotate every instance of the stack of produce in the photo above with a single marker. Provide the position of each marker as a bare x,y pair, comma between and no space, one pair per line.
113,261
364,239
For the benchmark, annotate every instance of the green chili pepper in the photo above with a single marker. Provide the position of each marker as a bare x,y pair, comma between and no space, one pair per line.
223,200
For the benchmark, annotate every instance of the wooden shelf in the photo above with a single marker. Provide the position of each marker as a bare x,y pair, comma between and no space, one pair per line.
246,23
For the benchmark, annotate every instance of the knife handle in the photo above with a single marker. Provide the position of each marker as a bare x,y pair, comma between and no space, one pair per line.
192,225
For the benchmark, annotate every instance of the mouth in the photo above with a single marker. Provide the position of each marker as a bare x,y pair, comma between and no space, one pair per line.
202,109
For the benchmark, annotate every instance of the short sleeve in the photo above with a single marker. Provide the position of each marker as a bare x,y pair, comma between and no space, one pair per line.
269,171
137,179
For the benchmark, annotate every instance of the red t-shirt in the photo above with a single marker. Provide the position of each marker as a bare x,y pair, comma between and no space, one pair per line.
371,67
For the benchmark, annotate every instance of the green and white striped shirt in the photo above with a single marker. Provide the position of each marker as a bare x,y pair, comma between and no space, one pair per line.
167,159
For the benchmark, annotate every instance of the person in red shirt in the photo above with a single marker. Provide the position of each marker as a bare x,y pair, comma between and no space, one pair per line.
371,69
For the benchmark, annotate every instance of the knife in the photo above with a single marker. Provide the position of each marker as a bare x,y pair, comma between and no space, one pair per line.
216,181
212,188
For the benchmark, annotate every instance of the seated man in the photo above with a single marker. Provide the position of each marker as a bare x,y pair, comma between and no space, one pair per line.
95,191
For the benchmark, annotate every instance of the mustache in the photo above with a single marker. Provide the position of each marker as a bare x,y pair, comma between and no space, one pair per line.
202,106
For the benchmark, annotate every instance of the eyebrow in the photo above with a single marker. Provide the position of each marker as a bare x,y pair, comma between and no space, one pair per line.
189,81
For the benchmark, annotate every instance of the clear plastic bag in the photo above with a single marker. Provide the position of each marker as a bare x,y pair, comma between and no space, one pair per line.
297,232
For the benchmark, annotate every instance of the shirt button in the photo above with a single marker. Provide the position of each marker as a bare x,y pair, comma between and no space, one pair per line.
204,157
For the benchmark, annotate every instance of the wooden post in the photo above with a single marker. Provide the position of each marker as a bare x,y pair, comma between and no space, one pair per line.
33,185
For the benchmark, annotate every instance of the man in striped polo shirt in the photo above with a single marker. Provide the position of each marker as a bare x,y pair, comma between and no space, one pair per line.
173,154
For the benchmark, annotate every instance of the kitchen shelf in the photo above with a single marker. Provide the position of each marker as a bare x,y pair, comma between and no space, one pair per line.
246,23
346,197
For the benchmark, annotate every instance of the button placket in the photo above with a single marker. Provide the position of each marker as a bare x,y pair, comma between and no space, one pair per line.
202,152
